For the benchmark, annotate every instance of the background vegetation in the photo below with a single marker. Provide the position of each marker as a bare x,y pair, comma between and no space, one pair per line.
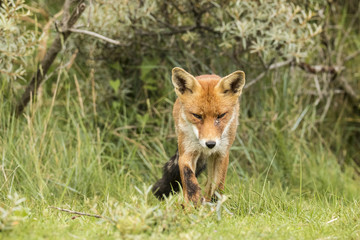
98,129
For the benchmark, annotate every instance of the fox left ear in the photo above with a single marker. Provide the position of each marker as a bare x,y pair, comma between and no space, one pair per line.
232,83
183,81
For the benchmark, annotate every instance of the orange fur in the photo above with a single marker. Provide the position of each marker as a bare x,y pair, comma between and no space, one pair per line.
206,118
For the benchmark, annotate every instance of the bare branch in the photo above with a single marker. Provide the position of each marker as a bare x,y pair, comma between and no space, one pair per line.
271,67
280,64
78,213
82,213
173,30
97,35
351,56
252,82
334,70
320,68
178,30
310,69
349,90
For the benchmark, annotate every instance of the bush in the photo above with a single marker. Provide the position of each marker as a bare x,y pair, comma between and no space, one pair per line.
17,42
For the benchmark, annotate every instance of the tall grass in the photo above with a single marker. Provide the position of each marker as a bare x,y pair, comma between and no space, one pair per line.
284,177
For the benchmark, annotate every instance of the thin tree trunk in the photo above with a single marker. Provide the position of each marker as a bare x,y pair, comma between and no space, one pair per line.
50,55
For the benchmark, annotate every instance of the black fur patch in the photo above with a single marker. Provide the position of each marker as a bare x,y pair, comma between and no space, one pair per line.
200,166
181,83
235,85
170,180
191,187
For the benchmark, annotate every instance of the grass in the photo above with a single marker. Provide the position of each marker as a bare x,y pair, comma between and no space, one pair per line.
284,179
281,218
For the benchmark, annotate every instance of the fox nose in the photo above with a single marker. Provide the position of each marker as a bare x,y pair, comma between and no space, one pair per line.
210,144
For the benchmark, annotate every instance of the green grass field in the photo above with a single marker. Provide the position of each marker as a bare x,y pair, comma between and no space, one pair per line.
96,135
285,179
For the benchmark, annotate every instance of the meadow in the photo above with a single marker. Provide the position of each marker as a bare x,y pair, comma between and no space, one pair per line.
279,185
96,135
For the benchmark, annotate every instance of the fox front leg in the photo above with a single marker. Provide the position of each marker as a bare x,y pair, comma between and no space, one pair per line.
191,188
217,169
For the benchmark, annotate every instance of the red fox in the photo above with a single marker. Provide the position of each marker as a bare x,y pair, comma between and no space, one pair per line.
206,118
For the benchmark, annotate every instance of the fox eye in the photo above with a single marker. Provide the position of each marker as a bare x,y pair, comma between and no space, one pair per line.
221,115
197,116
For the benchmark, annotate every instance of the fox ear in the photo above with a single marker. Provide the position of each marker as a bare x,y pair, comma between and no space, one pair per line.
183,81
232,83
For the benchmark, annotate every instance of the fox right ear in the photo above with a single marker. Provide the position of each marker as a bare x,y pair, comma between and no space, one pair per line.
183,81
232,83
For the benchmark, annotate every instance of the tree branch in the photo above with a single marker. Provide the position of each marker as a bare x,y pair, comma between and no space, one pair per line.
334,70
271,67
320,68
349,90
94,34
178,30
314,69
51,54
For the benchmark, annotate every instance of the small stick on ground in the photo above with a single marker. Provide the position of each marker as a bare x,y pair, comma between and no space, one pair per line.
83,214
78,213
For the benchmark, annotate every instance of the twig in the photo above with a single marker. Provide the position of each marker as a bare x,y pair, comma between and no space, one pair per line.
351,56
84,214
260,76
349,90
271,67
305,66
51,54
334,70
78,213
320,68
94,34
178,30
280,64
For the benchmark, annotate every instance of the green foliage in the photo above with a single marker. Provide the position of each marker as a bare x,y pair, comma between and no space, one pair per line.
270,28
265,29
17,42
203,37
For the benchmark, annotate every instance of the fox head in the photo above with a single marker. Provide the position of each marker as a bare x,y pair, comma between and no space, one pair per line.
209,108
